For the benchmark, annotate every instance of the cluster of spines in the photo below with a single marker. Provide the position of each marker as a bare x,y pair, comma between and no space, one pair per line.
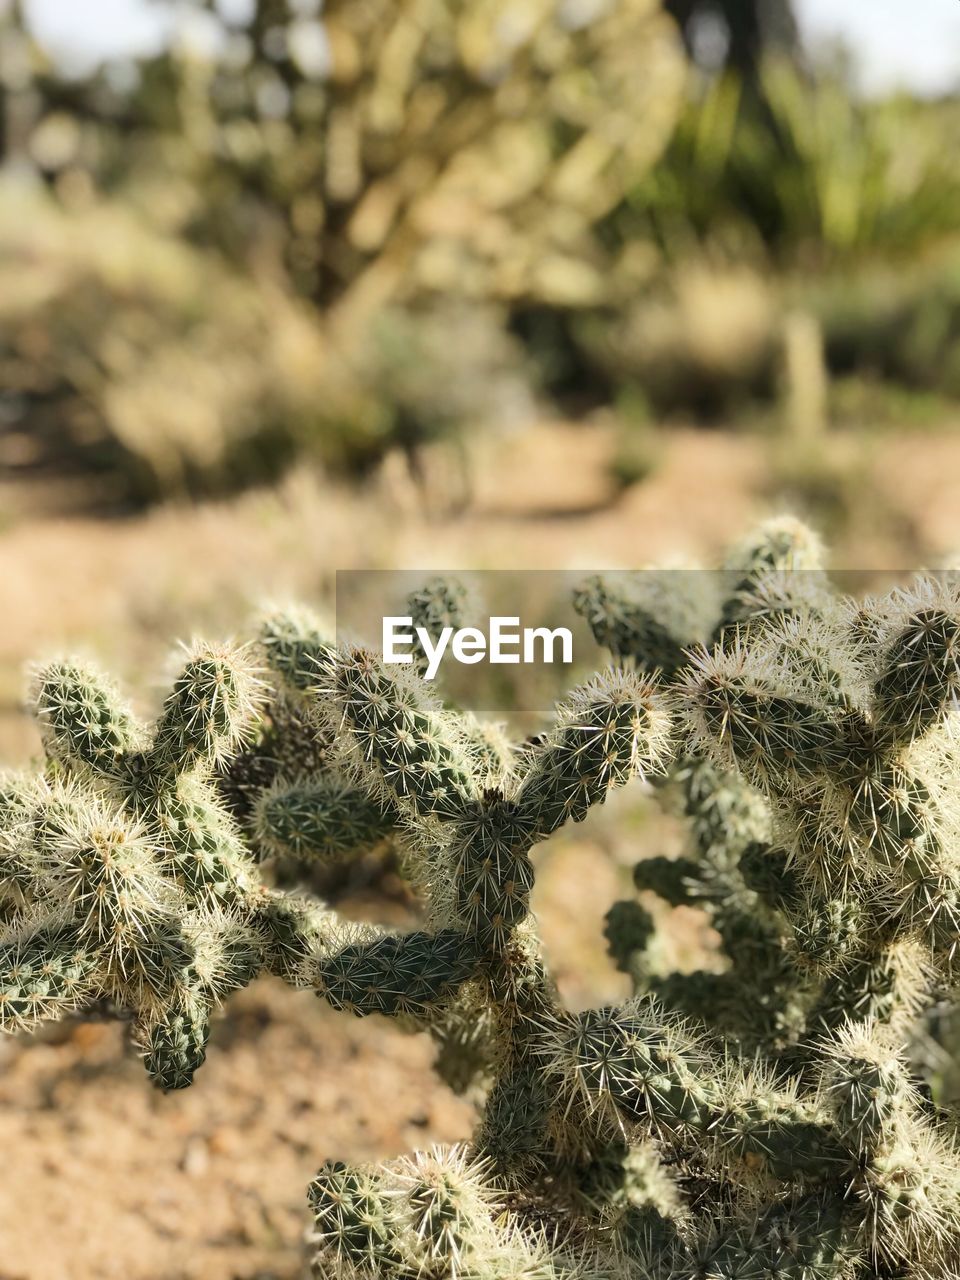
403,745
859,1143
827,726
615,727
135,845
124,875
433,1216
440,603
814,777
46,972
325,808
320,818
140,881
859,785
753,1000
285,749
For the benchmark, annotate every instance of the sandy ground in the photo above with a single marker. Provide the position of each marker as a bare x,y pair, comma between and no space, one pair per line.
105,1177
102,1177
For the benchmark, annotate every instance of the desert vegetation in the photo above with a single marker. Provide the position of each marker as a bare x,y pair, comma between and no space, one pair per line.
288,221
313,961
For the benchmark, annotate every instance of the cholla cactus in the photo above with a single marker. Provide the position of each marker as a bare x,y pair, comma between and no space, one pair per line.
818,774
763,1121
124,876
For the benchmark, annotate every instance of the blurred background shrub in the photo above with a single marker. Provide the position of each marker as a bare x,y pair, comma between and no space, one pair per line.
339,232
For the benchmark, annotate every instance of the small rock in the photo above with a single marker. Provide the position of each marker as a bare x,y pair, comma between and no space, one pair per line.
196,1157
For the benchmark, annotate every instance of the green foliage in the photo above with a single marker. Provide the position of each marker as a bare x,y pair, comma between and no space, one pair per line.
788,192
895,326
803,168
763,1118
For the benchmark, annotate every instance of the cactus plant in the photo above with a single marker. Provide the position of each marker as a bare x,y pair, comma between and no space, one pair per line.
766,1120
360,131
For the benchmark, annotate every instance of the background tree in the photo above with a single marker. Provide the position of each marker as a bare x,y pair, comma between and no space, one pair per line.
749,29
